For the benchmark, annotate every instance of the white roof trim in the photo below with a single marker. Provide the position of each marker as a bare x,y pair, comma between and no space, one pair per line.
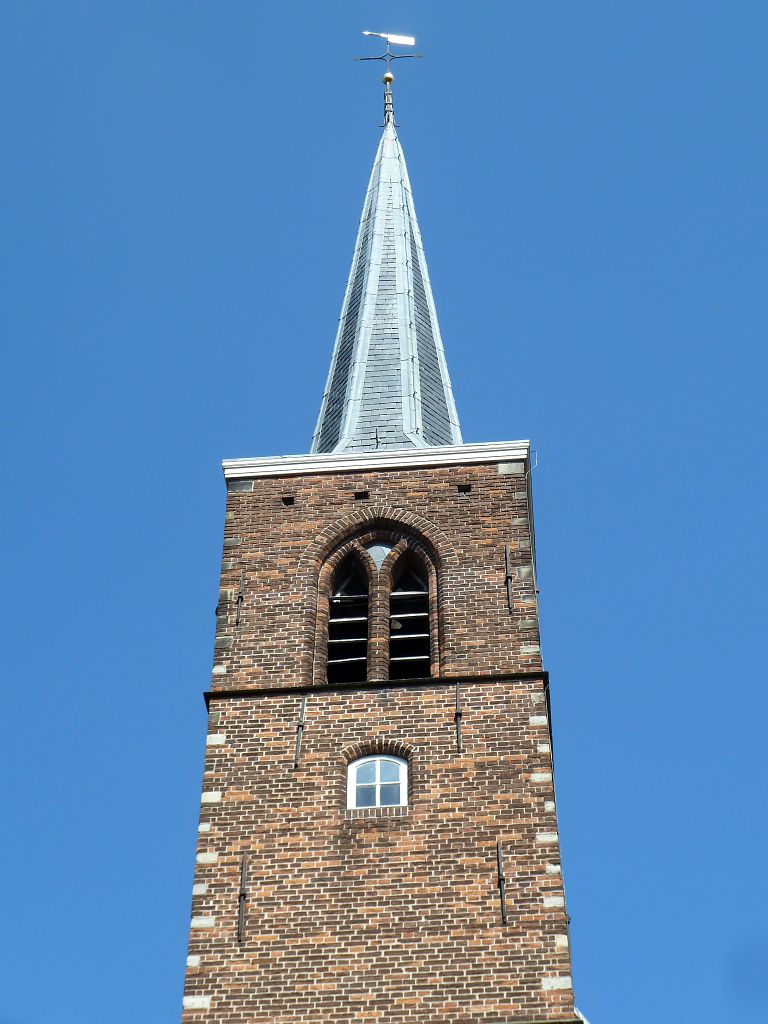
390,458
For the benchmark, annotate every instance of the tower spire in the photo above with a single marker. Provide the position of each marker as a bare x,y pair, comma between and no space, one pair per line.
388,385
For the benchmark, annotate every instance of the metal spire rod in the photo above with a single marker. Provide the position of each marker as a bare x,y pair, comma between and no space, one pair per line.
388,78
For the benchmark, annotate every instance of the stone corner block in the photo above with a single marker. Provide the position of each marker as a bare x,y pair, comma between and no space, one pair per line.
196,1002
560,982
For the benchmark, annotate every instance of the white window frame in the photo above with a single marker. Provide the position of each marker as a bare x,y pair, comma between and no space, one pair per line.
402,781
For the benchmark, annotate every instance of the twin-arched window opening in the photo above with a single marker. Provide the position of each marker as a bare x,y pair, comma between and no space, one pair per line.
377,781
379,612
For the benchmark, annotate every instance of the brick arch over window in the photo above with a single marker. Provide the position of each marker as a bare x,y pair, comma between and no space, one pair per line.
377,518
377,745
405,531
369,747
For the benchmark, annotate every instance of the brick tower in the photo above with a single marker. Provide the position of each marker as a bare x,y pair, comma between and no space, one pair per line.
378,839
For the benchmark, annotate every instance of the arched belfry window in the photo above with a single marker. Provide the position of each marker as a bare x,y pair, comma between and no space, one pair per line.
380,781
377,610
348,625
409,639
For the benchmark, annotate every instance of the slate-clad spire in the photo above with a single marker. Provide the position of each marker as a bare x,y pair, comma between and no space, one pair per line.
388,386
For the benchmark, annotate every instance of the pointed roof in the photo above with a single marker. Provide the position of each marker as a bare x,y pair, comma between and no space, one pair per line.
388,385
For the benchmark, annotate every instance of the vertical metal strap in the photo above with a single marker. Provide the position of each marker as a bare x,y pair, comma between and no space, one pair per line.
240,598
457,718
241,898
300,732
502,882
508,575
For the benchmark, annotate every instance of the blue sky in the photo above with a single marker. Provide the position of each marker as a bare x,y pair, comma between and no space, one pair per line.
182,185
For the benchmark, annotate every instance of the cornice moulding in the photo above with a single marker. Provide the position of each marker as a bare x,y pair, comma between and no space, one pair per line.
356,462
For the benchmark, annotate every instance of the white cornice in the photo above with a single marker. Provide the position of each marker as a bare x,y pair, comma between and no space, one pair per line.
358,462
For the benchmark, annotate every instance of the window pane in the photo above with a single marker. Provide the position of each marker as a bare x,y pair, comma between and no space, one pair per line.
410,582
366,796
390,771
366,773
390,796
378,552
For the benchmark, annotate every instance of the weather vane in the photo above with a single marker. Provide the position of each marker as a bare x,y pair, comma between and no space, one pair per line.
388,78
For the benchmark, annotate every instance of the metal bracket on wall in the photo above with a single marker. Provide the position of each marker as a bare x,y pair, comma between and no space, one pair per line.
502,882
300,732
241,898
240,598
457,718
508,575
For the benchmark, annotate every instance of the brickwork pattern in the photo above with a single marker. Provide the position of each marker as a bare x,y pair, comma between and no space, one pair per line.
279,549
393,914
380,916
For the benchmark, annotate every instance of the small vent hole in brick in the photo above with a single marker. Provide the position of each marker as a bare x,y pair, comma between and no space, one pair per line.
361,495
464,488
288,499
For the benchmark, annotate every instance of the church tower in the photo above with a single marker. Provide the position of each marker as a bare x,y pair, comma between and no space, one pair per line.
378,837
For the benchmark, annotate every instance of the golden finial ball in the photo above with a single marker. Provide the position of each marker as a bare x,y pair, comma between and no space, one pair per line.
387,78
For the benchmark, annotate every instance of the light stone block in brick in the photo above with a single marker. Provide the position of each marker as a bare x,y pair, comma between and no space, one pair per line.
561,941
213,797
193,960
538,720
541,776
202,922
554,901
207,858
216,739
549,805
561,982
530,649
197,1002
543,748
204,826
546,837
553,869
511,468
538,698
199,888
219,670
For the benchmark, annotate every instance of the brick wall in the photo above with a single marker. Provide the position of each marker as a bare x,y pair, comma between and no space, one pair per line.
390,915
278,550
